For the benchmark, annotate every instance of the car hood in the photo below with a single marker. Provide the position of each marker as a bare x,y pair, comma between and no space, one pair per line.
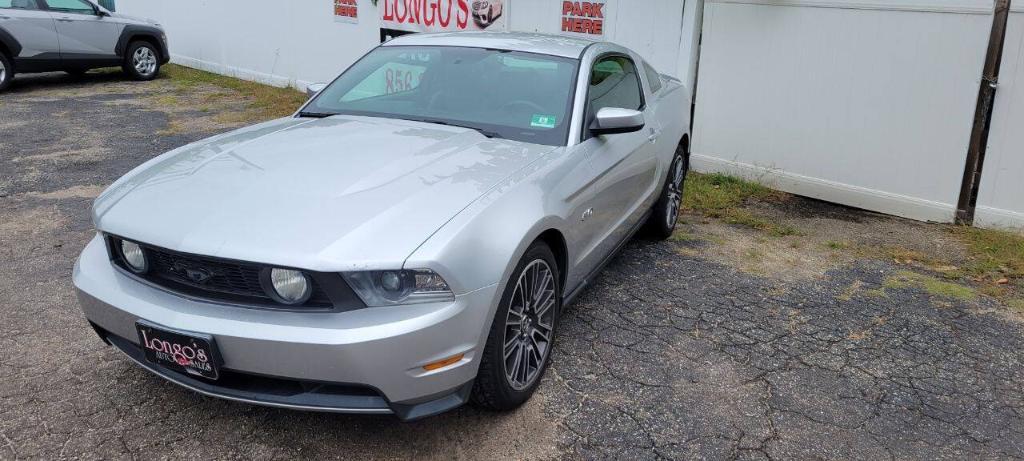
332,194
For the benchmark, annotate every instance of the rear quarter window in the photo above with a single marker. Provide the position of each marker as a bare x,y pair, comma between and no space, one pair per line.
653,77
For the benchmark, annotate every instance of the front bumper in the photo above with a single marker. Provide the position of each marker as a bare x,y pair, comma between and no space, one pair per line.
363,361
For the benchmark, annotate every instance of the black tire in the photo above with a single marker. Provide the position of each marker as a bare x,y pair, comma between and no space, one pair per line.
493,388
7,74
662,221
131,66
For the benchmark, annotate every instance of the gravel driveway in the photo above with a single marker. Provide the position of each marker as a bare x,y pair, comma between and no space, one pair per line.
673,353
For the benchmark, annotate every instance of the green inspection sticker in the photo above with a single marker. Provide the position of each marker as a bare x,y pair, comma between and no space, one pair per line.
543,121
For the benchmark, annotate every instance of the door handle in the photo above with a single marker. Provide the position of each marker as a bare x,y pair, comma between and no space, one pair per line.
65,19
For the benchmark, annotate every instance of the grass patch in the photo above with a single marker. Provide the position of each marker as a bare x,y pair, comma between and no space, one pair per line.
720,196
836,245
931,285
716,194
994,254
267,102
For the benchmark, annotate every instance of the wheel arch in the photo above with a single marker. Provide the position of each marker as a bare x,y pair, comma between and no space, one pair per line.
133,33
9,45
556,241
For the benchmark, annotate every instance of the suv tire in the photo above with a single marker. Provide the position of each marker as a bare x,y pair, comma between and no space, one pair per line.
6,71
497,388
142,61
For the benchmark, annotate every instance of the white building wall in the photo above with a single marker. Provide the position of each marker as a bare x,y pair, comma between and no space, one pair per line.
1001,197
280,43
867,103
298,43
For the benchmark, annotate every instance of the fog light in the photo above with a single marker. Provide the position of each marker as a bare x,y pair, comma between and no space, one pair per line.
133,256
291,286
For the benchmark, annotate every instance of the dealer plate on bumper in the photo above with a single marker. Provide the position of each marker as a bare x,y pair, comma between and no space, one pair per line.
192,353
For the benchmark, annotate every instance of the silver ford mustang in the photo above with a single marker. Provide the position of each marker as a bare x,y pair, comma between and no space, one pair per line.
406,241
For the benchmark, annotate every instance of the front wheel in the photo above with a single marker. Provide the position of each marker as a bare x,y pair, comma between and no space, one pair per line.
522,333
6,71
142,62
662,222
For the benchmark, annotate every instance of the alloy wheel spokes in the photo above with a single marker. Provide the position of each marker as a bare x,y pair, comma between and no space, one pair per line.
144,60
675,194
529,324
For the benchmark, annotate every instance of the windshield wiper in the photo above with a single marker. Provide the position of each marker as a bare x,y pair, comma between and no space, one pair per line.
488,134
315,114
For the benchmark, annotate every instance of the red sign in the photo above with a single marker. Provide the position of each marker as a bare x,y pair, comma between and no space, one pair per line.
583,17
346,11
442,15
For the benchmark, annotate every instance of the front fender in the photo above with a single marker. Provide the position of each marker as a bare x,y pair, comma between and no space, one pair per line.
481,246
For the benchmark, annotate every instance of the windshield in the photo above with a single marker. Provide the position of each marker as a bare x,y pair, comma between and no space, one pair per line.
504,94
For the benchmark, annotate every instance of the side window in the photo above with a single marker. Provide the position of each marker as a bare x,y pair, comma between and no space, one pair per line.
19,4
653,77
614,83
71,6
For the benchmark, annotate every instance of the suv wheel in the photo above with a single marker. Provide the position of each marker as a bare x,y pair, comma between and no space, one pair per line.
142,62
522,333
6,71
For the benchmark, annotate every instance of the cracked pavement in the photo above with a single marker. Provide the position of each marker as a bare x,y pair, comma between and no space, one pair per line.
671,353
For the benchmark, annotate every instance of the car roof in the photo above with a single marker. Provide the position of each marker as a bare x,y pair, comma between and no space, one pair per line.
556,45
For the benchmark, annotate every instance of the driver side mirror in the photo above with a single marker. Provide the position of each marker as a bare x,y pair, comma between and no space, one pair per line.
313,88
613,120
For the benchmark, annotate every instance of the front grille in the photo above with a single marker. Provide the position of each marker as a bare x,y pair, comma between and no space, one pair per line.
235,279
229,281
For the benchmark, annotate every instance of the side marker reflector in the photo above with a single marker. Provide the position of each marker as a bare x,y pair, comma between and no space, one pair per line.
443,363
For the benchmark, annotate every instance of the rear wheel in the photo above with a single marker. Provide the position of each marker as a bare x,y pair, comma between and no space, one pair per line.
522,333
142,62
6,71
662,222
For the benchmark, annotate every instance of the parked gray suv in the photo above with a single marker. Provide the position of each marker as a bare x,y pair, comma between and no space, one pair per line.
75,36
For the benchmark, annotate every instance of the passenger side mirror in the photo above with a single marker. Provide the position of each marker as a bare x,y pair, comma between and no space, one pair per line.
613,120
313,88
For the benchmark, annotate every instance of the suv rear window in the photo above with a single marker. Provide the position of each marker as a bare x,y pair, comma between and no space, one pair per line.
19,4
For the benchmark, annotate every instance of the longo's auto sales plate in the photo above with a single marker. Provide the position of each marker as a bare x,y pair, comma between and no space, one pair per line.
190,353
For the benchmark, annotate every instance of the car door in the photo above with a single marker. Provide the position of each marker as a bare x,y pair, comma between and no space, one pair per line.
30,29
624,165
82,32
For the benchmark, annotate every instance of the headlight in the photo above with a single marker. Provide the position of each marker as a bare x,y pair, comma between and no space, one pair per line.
289,286
390,288
134,257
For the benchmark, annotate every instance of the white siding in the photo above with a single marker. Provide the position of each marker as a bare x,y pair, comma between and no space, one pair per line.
1001,197
280,43
865,103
